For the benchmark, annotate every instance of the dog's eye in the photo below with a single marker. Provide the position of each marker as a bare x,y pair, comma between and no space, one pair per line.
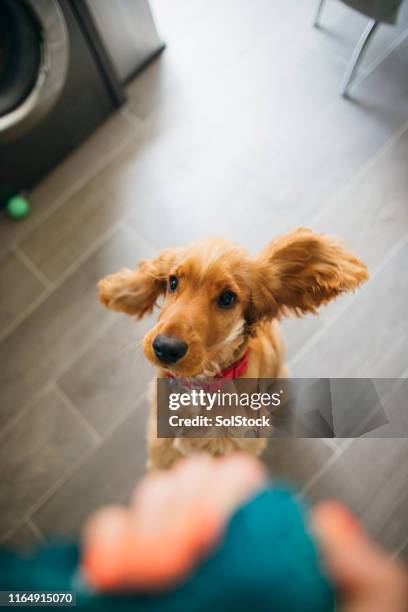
173,282
226,299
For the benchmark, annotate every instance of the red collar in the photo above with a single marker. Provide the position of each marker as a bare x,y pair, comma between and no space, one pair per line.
235,370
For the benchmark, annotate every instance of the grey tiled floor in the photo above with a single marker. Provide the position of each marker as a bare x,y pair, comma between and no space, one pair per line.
238,130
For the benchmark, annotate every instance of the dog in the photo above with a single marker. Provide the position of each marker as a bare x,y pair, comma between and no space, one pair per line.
220,313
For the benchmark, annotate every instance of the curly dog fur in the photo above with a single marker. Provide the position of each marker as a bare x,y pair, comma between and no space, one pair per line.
296,273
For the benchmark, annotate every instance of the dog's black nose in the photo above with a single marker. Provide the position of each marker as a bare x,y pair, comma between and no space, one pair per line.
168,349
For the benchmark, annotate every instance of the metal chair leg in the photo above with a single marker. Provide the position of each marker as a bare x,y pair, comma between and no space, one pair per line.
357,56
318,12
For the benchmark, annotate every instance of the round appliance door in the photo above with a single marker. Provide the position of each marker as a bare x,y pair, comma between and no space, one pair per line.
34,54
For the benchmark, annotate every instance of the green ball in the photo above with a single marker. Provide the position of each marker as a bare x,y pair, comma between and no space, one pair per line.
17,207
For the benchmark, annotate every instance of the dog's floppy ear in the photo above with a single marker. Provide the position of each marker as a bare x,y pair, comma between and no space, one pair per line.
300,271
136,291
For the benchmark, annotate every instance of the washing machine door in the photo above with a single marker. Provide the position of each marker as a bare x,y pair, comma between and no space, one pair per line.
34,54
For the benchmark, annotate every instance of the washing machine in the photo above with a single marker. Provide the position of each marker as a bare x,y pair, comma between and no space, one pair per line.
58,82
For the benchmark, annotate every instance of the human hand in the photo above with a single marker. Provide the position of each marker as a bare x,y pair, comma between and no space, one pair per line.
178,515
174,518
366,578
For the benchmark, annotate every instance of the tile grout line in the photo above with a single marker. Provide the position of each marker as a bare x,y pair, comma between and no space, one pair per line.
146,125
393,138
54,487
329,442
404,374
132,233
29,520
326,466
388,353
48,385
144,396
35,530
127,112
99,242
78,185
107,160
367,165
84,347
77,355
28,263
334,201
69,404
131,116
397,552
376,271
13,420
24,314
28,515
79,463
123,223
133,119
